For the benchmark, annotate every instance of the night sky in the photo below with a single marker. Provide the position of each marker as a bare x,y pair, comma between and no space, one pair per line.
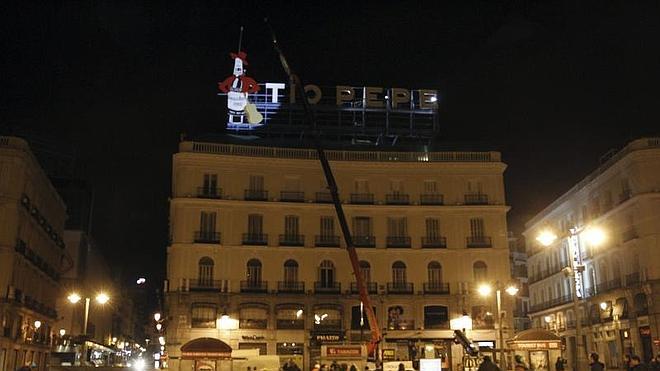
552,85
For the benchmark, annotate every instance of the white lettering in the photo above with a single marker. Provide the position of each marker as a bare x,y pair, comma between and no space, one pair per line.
275,88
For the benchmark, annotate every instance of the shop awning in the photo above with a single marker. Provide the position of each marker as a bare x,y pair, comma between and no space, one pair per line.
534,339
205,348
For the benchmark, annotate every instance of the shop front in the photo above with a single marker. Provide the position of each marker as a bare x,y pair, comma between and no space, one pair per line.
205,354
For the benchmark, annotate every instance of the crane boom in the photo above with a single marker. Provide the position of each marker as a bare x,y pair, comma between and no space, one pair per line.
376,336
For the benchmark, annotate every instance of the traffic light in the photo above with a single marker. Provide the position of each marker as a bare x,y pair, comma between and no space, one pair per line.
460,338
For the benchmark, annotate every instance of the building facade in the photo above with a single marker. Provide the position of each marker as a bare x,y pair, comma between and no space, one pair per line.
32,255
518,262
257,258
620,280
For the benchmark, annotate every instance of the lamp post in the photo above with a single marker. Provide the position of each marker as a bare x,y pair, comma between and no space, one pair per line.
595,236
512,290
74,298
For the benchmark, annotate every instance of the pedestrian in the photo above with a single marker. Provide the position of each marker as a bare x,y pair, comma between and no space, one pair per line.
655,363
596,365
636,364
520,363
24,368
401,367
488,365
626,362
559,365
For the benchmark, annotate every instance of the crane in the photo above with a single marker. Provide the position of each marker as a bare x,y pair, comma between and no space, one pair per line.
376,335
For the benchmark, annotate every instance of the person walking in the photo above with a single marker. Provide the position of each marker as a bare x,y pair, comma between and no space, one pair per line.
559,365
520,363
636,364
595,364
488,365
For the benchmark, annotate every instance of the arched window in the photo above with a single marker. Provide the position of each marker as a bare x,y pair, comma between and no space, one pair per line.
480,271
205,272
641,304
365,268
290,272
327,274
434,274
254,273
399,273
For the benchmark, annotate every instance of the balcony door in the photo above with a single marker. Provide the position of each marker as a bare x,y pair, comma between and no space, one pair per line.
327,274
290,273
254,273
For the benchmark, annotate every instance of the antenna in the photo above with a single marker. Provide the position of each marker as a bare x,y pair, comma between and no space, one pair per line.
240,40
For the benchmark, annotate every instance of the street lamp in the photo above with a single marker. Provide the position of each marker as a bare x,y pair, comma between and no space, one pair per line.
595,236
74,298
486,290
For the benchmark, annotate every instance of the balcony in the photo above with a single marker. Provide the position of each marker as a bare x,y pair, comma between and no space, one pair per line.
476,199
328,324
255,195
431,199
632,279
400,288
364,241
204,285
372,288
362,198
292,240
255,239
208,192
290,324
291,287
479,241
609,285
398,241
207,237
629,235
403,324
253,324
323,198
437,288
292,196
397,199
551,303
254,286
435,242
327,287
326,241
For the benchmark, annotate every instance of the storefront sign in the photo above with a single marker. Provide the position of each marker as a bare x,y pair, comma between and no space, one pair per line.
344,351
645,331
252,337
389,354
327,338
430,364
536,345
574,247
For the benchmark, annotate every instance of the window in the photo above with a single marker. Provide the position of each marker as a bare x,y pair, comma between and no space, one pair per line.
359,319
480,271
397,227
474,187
255,224
254,272
396,186
607,200
256,182
207,222
361,186
327,274
253,316
436,317
399,273
362,226
290,272
365,268
327,226
432,229
477,227
205,272
291,226
434,273
430,186
204,315
210,185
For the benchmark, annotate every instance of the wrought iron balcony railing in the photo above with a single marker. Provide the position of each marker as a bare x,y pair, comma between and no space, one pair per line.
398,241
397,199
479,241
476,199
292,240
255,239
438,288
208,192
364,241
290,324
292,196
207,237
321,287
291,287
326,241
372,288
255,195
362,198
400,288
435,242
323,198
204,285
431,199
328,324
254,286
253,323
